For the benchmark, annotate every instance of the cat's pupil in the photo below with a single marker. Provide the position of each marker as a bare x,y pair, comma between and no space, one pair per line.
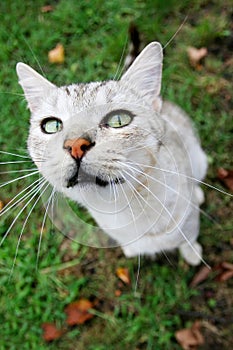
120,119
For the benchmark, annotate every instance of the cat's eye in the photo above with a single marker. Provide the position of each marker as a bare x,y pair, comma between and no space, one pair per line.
51,125
119,119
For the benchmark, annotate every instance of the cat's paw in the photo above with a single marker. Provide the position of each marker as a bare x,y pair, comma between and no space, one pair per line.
191,253
199,195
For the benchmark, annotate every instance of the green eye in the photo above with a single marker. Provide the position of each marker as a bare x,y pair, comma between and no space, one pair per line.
51,125
119,120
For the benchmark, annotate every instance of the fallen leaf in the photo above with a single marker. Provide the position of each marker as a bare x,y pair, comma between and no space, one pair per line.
78,312
195,55
51,332
190,338
57,55
118,292
226,271
123,274
1,205
225,276
47,8
200,276
226,176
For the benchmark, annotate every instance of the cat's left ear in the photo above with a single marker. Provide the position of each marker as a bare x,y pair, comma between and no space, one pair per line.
35,86
145,74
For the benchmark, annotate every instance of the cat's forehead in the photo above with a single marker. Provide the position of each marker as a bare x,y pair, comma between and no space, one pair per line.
85,95
94,99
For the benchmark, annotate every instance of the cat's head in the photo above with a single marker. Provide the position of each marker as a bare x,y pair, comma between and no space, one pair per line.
82,135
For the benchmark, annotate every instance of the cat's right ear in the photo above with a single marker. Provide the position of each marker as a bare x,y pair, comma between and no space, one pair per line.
145,74
35,86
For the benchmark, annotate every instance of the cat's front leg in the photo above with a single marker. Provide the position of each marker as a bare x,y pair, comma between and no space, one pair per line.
191,252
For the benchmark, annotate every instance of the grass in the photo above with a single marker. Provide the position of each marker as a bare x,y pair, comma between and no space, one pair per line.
93,34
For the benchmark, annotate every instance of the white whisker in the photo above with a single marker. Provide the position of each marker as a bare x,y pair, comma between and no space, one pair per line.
18,178
176,192
26,220
171,217
17,171
20,212
16,162
184,175
43,224
9,206
14,154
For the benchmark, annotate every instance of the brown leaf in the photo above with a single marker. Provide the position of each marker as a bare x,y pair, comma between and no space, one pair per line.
57,55
200,276
195,55
78,312
51,332
225,276
190,338
226,176
47,8
226,271
1,205
118,292
123,274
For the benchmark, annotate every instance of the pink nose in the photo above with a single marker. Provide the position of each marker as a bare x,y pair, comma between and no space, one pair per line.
77,147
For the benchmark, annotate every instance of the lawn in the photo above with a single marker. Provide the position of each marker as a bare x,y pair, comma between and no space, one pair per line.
158,301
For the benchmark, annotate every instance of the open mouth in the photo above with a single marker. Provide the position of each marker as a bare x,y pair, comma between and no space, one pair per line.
82,178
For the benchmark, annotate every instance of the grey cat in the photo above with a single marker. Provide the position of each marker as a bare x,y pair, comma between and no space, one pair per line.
115,148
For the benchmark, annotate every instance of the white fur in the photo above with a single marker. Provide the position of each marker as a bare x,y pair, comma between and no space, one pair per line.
153,210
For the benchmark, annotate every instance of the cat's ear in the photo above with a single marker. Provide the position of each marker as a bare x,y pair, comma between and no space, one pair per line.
35,86
145,74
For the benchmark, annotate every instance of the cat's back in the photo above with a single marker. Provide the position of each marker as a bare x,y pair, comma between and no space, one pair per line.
179,128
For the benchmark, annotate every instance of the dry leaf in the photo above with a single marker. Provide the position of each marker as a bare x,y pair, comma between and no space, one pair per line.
57,55
226,273
118,292
123,274
226,176
200,276
51,332
47,8
78,312
190,338
1,205
195,55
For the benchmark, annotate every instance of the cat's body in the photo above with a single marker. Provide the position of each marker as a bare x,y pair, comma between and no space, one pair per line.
114,148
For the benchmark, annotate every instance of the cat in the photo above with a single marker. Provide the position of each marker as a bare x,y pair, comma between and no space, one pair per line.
114,147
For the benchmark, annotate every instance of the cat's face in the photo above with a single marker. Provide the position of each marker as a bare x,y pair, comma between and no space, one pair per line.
82,134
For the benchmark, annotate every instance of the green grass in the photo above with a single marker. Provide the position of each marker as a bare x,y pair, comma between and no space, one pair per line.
93,34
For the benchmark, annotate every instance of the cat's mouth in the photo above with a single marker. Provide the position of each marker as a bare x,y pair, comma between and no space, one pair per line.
82,178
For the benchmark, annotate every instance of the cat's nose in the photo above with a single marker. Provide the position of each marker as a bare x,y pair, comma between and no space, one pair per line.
78,147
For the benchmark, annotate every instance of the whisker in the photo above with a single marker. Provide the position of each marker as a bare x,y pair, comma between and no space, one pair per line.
183,197
43,224
143,209
169,214
184,175
137,274
119,69
16,162
9,206
17,171
20,212
18,178
177,32
33,54
14,154
25,222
